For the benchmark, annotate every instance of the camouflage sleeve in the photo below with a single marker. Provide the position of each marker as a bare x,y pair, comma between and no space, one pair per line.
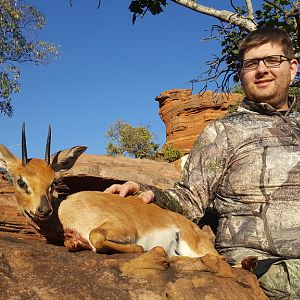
201,176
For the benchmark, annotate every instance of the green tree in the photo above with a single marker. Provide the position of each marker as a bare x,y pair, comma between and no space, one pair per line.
137,142
170,153
19,24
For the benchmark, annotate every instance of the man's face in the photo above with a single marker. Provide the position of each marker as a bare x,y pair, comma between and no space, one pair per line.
268,84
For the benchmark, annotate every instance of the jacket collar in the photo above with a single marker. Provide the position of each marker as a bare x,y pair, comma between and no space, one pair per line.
261,108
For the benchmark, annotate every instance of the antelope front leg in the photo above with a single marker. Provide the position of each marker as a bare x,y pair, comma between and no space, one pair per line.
74,245
107,236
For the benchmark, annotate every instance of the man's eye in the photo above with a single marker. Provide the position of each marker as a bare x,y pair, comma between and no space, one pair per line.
250,63
272,60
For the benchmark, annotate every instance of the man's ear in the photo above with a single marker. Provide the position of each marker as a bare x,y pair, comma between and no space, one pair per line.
65,159
294,69
7,160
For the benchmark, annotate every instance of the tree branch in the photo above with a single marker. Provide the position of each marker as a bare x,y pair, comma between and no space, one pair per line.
294,10
276,6
250,9
221,31
99,4
222,15
232,5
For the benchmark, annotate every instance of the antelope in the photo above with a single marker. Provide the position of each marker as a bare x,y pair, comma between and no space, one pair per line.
95,220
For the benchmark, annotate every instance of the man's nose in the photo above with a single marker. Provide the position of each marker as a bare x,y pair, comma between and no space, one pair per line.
261,68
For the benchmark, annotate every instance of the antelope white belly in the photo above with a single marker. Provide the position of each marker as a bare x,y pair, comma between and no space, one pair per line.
166,238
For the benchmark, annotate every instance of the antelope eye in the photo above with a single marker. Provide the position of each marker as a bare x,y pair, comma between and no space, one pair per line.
22,184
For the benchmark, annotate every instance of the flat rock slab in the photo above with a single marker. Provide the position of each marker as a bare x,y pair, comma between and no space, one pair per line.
97,172
32,269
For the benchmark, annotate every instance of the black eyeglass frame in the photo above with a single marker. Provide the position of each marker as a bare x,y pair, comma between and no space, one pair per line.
258,60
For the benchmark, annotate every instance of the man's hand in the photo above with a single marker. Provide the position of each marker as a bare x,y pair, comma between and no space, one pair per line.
130,188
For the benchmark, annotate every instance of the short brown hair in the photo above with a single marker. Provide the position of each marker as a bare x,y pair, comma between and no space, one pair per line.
264,35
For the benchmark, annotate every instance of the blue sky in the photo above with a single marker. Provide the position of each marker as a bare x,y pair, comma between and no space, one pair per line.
108,70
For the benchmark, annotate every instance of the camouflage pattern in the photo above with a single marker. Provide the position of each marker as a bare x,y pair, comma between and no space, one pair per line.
247,166
282,280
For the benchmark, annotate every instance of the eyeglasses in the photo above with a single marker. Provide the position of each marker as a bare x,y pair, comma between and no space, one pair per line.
272,61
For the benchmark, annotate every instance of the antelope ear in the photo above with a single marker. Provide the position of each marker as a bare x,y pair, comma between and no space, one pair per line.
7,159
65,159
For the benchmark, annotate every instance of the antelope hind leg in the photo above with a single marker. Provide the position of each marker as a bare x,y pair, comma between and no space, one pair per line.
108,237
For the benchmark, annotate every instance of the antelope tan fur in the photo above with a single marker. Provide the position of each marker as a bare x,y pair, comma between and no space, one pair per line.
94,220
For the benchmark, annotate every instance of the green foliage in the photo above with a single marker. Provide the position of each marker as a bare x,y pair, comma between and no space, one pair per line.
275,14
237,89
19,24
137,142
141,7
171,153
294,96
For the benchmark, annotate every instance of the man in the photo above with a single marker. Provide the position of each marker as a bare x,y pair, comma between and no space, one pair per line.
247,166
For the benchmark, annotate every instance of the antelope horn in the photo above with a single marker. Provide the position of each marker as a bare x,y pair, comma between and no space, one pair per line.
24,148
47,153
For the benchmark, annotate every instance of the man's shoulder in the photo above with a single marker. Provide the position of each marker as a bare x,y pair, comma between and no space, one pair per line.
244,121
238,117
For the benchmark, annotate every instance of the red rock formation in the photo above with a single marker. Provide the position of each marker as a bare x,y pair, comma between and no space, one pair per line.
185,115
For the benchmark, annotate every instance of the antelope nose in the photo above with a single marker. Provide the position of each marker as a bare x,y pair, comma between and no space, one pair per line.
45,208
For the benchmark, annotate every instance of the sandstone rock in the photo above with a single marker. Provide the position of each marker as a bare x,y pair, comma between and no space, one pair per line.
185,115
36,270
96,172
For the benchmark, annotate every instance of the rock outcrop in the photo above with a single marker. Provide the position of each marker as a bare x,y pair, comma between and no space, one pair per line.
34,270
98,172
185,115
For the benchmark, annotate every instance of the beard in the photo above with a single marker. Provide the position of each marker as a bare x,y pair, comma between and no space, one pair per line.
275,95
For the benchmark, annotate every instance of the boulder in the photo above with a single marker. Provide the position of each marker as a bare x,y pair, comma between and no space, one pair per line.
97,172
31,269
186,114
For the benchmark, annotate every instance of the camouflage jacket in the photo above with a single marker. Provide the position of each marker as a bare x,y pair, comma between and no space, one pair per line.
247,166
